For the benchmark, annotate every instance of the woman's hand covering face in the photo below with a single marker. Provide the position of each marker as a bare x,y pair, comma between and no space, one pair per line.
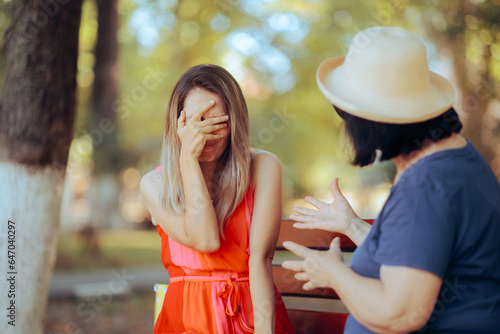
195,132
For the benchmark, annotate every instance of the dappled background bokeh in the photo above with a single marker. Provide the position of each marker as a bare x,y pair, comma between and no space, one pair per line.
273,49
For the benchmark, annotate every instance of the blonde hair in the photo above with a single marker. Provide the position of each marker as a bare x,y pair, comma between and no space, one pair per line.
232,173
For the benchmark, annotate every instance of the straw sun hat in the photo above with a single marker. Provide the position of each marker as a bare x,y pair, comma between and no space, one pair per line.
385,78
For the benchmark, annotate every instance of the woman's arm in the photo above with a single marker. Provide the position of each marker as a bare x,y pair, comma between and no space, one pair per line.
337,216
198,227
401,301
264,232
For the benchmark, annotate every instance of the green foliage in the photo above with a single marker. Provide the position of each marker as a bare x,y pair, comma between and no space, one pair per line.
86,62
117,248
475,25
273,48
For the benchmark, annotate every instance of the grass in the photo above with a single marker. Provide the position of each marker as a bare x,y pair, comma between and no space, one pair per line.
130,314
117,248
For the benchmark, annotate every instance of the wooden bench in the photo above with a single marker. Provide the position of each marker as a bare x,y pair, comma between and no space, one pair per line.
316,311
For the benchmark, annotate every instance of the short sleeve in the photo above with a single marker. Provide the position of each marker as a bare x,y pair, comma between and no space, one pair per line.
417,230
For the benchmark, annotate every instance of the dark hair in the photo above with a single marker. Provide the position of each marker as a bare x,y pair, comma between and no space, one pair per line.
395,139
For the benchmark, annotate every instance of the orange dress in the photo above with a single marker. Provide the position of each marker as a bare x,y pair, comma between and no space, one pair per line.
210,293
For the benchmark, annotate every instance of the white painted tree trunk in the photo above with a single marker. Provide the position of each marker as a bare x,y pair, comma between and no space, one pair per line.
32,201
37,113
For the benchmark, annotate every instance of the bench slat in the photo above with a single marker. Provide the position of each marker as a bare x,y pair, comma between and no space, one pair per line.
314,304
332,320
316,239
306,322
288,286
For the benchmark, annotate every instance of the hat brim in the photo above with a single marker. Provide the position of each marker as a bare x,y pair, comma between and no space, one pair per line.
384,109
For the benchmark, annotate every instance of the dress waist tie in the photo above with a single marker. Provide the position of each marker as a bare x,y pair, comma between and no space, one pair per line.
229,293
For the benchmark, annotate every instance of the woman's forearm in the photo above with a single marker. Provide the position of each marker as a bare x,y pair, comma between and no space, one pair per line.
358,230
262,292
379,311
353,288
200,222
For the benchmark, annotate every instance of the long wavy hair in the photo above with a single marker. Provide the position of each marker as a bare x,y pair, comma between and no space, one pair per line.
232,173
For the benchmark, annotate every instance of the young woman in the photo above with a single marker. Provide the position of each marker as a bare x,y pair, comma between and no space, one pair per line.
431,261
217,208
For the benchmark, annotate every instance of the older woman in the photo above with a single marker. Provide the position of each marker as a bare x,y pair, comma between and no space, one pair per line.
431,261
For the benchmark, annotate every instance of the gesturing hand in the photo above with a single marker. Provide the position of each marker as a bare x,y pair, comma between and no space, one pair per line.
318,267
195,133
334,217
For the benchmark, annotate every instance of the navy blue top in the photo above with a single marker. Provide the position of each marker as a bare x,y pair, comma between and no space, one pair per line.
443,216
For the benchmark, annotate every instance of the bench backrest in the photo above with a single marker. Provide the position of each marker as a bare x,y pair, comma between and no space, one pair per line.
314,311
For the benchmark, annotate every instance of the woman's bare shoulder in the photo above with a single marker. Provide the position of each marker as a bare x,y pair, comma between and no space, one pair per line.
260,157
152,175
264,162
150,187
150,181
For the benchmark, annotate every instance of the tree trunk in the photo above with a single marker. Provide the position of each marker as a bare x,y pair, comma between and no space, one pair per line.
37,110
474,81
475,96
107,155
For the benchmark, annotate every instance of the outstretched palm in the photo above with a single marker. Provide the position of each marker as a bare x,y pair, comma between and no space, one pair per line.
334,217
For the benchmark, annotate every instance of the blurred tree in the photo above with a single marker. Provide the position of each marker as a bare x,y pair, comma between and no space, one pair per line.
469,33
5,11
103,120
272,48
37,109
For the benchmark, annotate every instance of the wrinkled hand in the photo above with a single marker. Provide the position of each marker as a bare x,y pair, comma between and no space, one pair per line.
195,133
334,217
318,267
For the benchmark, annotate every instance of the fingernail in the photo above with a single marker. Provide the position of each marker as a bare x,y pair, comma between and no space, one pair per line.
286,243
226,117
212,101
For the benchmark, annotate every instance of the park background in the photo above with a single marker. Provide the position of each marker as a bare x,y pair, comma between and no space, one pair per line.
131,53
